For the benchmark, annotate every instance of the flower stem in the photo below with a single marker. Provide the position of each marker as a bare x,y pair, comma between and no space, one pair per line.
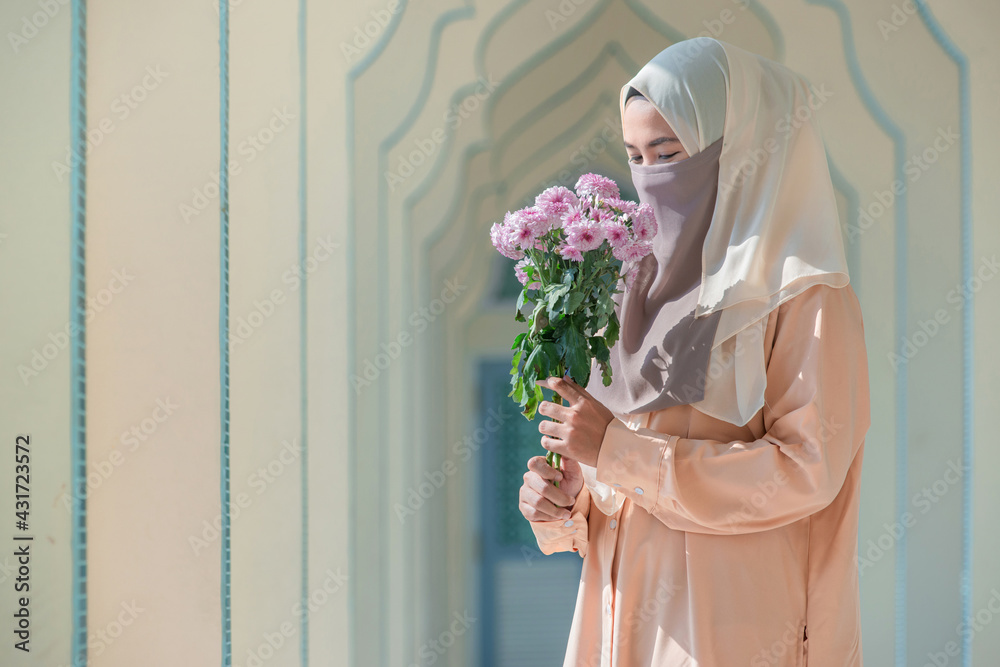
553,459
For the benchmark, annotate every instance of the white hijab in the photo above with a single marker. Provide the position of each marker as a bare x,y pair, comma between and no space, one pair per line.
775,230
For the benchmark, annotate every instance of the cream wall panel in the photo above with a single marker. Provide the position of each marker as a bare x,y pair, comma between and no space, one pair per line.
158,343
35,308
329,457
265,334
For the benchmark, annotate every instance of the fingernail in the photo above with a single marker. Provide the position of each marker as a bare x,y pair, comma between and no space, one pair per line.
566,515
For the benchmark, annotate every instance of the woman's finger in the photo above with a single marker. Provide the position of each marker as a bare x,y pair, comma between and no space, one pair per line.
538,465
554,445
542,504
554,429
548,491
550,409
564,389
532,514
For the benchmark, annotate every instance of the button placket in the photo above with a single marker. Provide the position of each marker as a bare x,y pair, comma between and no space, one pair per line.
607,624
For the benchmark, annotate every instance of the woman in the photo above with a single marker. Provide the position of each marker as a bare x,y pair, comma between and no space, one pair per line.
712,489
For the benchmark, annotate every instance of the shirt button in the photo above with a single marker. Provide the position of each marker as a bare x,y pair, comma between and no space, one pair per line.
638,490
613,524
568,523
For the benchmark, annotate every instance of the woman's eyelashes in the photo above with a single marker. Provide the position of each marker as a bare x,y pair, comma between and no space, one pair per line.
637,159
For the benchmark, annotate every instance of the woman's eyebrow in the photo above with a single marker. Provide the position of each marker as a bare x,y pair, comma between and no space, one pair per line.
655,142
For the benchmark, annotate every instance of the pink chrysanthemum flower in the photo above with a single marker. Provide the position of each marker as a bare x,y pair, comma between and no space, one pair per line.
595,184
556,202
586,235
637,250
522,276
624,205
644,222
500,236
571,252
574,216
630,278
632,250
617,233
604,214
522,233
537,220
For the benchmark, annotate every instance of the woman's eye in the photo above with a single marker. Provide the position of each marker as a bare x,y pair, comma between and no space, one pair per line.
637,159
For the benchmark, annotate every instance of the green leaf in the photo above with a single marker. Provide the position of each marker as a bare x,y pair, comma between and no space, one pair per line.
531,365
518,391
611,333
599,349
514,362
606,373
573,301
518,339
575,352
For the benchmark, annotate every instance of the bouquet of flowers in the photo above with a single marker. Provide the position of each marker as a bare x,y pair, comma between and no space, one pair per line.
573,249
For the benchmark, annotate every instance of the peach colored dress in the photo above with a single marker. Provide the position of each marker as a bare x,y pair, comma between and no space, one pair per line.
735,546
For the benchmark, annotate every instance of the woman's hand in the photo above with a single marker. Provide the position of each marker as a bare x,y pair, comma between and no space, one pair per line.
583,422
540,500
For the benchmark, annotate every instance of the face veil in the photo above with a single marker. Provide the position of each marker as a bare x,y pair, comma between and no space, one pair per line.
748,221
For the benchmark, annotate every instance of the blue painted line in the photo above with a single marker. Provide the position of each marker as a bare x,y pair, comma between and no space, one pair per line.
893,131
303,333
961,61
352,310
78,316
227,640
382,270
853,248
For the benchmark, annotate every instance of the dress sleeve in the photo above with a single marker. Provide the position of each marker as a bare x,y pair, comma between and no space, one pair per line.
816,415
565,534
